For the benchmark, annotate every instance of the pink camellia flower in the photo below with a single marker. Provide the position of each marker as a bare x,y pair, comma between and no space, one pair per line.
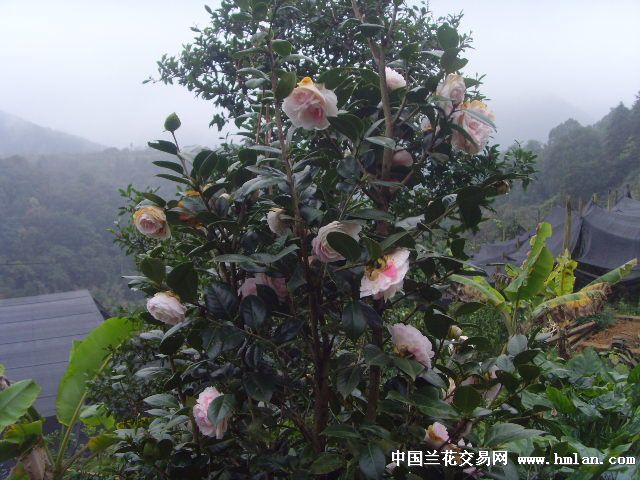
436,435
200,410
477,129
278,224
152,222
394,79
452,87
321,248
309,105
386,277
402,158
277,284
408,340
492,392
166,307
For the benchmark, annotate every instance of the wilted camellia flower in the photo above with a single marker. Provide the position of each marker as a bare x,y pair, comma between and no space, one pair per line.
407,340
453,88
454,332
277,224
277,284
386,276
200,410
394,79
166,307
152,222
402,158
309,105
321,248
436,435
477,129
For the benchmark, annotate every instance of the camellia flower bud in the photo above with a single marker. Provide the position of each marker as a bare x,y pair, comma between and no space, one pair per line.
200,414
309,105
172,123
394,79
402,158
167,308
152,222
455,332
408,340
278,224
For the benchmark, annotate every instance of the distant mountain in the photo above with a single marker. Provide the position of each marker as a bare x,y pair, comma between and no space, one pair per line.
21,137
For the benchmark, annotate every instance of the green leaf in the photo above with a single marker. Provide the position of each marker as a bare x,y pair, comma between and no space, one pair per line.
386,142
345,245
617,274
176,167
371,214
447,36
410,367
259,386
372,461
327,463
162,400
172,123
285,86
16,400
349,125
253,71
373,248
253,311
341,430
400,239
634,375
221,301
172,339
501,433
437,409
153,269
101,442
535,269
373,355
370,29
154,198
347,380
221,408
183,280
88,358
164,146
282,47
353,320
517,344
466,398
296,57
560,400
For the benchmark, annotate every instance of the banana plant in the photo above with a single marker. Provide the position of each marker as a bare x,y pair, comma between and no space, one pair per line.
542,288
21,426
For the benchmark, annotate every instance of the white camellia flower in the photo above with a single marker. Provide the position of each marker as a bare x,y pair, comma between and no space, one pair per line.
394,79
309,105
477,129
407,340
321,248
152,222
453,88
436,435
386,277
277,224
166,307
402,158
200,410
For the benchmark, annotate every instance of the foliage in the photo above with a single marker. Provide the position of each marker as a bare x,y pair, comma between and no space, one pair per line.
39,457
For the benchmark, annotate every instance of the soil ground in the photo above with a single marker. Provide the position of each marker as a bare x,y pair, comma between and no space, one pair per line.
625,327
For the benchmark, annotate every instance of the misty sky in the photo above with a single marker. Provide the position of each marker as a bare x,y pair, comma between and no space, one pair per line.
77,66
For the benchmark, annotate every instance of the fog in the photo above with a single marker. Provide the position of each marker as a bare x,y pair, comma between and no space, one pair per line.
78,66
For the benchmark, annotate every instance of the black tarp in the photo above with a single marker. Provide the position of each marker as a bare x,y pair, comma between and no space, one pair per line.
601,240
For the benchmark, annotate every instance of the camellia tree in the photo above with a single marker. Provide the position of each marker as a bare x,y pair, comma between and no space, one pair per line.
299,286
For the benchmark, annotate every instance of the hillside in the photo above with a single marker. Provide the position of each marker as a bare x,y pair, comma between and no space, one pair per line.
576,161
21,137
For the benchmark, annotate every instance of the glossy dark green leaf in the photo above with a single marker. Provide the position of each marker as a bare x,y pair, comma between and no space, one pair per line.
183,280
517,344
253,311
164,146
341,430
347,380
372,461
408,366
370,29
286,84
172,340
447,36
353,320
345,245
259,386
327,463
466,398
153,269
282,47
221,301
221,408
176,167
501,433
385,142
349,125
